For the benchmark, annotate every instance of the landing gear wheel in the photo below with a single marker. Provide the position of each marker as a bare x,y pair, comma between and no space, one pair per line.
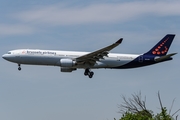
91,74
19,68
86,72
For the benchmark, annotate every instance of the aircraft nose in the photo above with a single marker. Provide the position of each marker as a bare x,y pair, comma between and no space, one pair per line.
8,57
5,56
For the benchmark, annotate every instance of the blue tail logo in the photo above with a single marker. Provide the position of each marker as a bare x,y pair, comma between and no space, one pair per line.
161,48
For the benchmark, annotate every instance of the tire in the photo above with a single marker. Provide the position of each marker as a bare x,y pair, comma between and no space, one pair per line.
19,68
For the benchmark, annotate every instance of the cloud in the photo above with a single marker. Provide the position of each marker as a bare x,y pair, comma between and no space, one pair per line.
15,29
62,14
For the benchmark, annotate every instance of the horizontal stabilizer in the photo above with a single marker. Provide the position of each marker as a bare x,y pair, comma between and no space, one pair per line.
164,57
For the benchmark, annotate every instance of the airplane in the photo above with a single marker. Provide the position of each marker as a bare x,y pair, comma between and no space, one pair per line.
69,61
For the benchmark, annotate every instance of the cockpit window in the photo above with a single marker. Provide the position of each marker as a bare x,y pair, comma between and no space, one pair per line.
9,52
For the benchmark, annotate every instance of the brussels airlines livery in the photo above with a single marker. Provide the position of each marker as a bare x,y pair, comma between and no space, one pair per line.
71,60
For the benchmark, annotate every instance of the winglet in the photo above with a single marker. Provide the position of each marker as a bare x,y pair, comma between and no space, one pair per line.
120,40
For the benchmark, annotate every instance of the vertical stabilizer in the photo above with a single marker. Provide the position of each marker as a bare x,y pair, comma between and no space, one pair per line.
162,47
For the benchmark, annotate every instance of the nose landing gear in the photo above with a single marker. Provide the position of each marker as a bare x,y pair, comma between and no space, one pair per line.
19,67
89,73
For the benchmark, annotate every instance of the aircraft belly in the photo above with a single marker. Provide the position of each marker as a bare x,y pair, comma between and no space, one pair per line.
116,63
110,63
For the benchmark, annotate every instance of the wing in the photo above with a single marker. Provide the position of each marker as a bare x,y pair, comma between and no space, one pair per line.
92,57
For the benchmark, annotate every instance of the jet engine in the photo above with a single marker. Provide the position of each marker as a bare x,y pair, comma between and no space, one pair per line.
67,63
66,69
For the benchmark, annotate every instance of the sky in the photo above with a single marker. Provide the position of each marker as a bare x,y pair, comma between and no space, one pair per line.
44,93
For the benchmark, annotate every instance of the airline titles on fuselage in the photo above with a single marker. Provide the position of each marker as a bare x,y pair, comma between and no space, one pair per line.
40,52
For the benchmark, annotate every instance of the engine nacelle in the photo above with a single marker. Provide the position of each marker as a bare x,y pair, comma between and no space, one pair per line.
66,69
67,63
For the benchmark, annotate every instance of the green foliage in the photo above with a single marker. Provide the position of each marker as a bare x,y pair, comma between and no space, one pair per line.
135,109
146,115
163,115
132,116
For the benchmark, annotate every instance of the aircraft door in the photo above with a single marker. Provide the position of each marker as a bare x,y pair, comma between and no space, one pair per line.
141,58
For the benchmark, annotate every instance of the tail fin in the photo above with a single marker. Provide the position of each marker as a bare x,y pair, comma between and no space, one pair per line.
162,47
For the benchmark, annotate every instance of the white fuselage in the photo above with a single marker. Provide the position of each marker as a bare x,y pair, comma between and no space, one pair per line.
69,61
52,58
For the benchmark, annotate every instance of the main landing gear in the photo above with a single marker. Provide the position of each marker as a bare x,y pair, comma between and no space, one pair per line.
19,67
89,73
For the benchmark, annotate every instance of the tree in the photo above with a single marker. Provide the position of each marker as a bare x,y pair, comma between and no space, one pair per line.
135,109
135,105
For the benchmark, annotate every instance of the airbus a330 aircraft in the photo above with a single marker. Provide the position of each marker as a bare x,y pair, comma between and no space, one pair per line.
71,60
